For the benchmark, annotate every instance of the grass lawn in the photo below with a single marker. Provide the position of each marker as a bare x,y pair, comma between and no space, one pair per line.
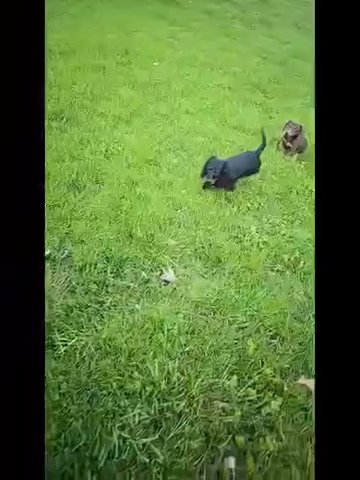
153,379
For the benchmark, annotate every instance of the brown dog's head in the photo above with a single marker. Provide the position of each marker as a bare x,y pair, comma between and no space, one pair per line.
292,130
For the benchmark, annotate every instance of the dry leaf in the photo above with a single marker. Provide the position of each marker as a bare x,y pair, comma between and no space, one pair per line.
65,254
230,463
309,383
168,277
221,405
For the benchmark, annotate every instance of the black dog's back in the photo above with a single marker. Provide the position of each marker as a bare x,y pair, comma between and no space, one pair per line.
225,173
242,165
245,164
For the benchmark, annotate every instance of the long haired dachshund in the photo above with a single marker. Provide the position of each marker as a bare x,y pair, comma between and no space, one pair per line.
292,140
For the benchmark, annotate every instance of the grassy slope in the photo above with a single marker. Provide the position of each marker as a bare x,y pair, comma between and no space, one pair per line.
135,372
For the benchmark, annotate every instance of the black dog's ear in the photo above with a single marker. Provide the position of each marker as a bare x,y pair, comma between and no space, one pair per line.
203,171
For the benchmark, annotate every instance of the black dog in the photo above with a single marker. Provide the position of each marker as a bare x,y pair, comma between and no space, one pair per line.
225,173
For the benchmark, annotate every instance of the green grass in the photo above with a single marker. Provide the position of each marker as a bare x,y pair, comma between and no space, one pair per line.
152,379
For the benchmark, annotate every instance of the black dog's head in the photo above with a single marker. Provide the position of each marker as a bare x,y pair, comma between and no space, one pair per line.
212,171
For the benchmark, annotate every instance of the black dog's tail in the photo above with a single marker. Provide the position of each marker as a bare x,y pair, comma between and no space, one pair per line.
260,149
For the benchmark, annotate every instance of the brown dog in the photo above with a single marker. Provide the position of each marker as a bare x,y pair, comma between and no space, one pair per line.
292,141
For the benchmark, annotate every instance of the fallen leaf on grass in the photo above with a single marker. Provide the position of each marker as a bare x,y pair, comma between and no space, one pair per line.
218,404
168,277
309,383
229,463
65,254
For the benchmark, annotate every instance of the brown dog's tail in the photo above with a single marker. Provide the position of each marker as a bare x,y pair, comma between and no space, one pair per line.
261,148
